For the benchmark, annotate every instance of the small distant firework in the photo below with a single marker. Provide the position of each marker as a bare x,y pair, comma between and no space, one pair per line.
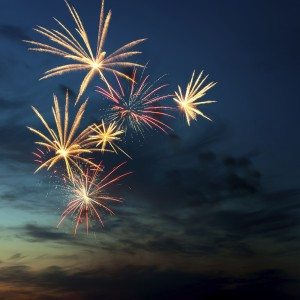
61,143
71,48
188,102
106,136
137,105
88,194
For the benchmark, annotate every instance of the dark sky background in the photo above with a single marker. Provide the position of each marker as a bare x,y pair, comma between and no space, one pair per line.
212,210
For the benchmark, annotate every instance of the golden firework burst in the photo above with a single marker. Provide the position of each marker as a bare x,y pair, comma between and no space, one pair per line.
188,102
71,48
62,142
106,136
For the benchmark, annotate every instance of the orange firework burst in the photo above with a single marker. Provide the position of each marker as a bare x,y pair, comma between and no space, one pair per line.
88,194
138,104
80,50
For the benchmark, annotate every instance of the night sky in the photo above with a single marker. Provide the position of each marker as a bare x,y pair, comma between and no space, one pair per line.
212,210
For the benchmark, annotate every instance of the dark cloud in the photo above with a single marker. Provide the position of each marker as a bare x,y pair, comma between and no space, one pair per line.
35,233
194,173
40,234
16,256
11,105
213,203
18,143
148,283
8,196
13,33
276,220
17,192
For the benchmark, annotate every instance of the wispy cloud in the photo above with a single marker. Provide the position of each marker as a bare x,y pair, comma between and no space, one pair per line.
13,33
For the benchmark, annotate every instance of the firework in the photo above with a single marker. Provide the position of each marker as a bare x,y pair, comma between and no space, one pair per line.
89,194
80,50
195,90
137,105
106,137
61,143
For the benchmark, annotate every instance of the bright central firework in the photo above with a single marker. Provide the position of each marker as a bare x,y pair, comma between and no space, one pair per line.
88,194
82,54
137,106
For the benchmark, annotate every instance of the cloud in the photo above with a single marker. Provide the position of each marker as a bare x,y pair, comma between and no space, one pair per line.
18,142
16,256
35,233
13,33
191,200
40,234
147,283
11,105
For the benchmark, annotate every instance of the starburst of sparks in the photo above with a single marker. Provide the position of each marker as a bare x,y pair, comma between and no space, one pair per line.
137,105
62,143
89,194
188,102
106,136
80,50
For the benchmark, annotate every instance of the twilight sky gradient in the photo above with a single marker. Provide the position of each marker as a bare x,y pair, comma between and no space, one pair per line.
211,211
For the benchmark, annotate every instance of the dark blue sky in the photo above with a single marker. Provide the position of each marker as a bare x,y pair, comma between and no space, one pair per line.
218,215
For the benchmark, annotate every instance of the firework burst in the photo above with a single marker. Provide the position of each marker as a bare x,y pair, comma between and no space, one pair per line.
62,143
80,50
188,102
137,105
106,136
89,194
